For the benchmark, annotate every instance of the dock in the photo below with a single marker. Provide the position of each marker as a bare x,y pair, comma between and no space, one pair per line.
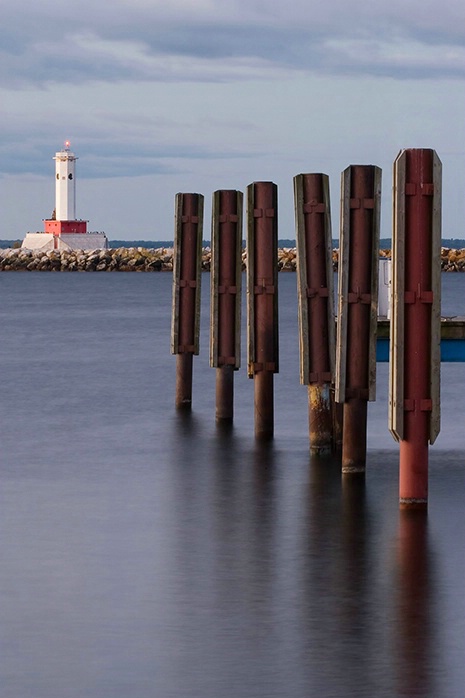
452,339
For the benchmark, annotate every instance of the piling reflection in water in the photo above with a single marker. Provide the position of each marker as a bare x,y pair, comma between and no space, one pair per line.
148,553
414,641
356,565
339,585
283,575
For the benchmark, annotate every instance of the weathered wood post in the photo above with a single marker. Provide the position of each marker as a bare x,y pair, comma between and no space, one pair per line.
357,307
415,359
185,318
316,304
225,297
262,300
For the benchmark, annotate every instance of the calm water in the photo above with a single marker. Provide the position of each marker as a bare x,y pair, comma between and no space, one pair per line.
148,555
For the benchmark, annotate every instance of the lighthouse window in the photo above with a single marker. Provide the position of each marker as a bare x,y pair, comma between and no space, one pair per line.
58,176
70,176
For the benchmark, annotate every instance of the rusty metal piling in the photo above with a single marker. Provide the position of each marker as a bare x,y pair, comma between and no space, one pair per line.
225,297
414,403
316,305
262,300
185,318
357,308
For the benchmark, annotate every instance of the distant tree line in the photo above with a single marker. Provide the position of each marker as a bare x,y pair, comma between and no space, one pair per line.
384,243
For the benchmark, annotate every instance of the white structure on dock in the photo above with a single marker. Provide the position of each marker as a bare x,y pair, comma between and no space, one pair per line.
384,288
63,231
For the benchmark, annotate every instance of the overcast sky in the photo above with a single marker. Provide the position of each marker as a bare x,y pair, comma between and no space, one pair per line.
198,95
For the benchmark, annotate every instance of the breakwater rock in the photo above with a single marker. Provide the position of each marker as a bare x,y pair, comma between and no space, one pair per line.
141,259
452,260
119,259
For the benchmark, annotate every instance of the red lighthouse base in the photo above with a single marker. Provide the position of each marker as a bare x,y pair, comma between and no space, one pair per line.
61,227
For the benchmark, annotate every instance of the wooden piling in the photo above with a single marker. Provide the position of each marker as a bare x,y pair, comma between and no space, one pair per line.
357,308
262,300
316,305
185,318
225,296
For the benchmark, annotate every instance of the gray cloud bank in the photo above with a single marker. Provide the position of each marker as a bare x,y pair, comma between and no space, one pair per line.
196,94
210,40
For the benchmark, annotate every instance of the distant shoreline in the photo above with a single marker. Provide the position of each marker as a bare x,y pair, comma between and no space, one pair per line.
384,243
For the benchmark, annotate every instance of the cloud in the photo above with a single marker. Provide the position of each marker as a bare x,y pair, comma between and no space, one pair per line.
411,59
119,133
196,94
211,40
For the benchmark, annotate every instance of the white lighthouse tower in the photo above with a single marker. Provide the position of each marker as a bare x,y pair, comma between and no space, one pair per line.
63,230
65,185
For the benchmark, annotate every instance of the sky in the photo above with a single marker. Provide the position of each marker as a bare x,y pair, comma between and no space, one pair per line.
198,95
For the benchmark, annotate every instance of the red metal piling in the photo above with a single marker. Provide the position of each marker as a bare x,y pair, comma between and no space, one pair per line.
186,292
316,304
262,300
225,304
358,300
416,323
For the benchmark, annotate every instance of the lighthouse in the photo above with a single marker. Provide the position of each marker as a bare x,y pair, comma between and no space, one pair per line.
63,230
64,221
65,185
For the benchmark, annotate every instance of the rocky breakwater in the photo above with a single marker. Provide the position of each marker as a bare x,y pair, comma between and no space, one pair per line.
119,259
137,259
452,260
141,259
287,258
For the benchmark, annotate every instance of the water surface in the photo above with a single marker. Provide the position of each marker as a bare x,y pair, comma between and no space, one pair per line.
146,553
